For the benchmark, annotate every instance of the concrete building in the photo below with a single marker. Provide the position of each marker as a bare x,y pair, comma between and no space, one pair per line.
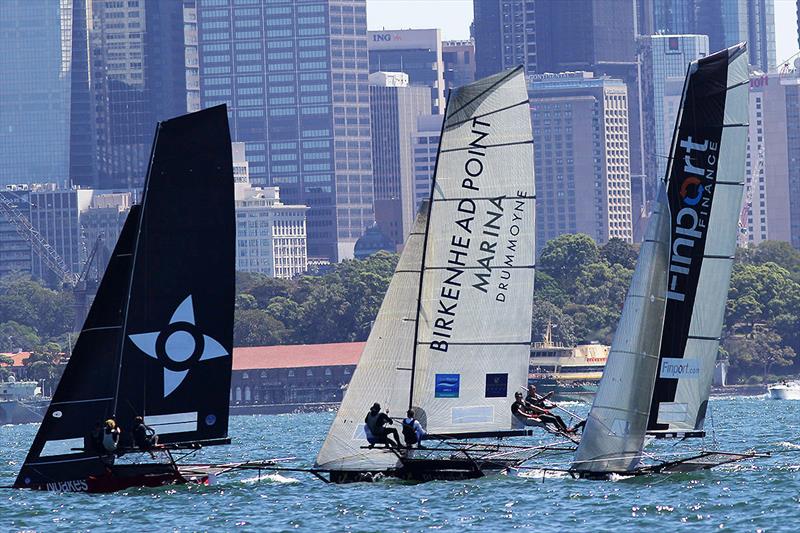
583,183
665,59
459,63
15,251
44,91
294,77
771,206
101,224
284,378
418,53
425,143
394,108
505,36
191,55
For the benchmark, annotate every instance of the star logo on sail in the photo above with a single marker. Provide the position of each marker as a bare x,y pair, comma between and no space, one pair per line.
178,346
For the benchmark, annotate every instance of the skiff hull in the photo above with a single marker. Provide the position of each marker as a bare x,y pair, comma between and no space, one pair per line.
123,477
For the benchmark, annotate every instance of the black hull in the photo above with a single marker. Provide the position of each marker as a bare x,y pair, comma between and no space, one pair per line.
122,477
424,470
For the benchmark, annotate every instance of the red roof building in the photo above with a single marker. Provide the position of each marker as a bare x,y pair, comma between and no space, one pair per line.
297,355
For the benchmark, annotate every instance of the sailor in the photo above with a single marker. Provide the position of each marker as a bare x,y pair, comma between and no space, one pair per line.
111,434
412,430
375,421
94,443
539,406
144,436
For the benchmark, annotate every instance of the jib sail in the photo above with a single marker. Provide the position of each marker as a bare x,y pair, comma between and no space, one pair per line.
157,341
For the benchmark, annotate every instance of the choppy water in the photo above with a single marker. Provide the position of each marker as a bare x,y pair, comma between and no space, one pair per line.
760,495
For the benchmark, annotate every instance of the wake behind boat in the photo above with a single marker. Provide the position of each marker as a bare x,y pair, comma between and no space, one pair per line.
158,339
452,339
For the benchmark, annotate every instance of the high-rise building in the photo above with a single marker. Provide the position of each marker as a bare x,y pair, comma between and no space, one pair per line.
761,34
418,53
425,142
459,62
43,86
138,70
505,35
771,208
394,108
665,59
673,17
583,183
101,224
294,77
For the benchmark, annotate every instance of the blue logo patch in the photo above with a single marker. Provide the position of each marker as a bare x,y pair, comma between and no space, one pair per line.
496,385
447,385
211,420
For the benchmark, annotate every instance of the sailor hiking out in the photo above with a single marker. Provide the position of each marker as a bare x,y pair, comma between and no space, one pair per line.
375,421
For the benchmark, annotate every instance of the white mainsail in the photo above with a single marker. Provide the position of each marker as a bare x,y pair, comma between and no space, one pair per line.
662,357
452,337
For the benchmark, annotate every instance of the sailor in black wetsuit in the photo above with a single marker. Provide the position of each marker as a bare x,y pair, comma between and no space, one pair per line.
144,436
375,421
540,408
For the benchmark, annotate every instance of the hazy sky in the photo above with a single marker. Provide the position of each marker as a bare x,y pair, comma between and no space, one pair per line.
455,16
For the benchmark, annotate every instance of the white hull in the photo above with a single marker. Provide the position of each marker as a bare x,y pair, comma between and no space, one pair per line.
785,392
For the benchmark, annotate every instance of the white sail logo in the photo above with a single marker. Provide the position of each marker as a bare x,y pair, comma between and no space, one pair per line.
178,346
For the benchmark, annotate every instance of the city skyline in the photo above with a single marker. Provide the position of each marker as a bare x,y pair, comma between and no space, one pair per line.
454,17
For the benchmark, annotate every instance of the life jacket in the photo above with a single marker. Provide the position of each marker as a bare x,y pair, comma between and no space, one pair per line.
409,431
109,440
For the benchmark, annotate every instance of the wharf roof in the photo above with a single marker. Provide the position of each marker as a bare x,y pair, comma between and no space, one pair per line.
297,355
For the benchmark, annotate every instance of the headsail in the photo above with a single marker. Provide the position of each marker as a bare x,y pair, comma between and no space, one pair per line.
684,266
158,337
452,337
705,186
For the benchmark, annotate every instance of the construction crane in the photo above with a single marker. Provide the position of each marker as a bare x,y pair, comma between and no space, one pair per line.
9,206
742,239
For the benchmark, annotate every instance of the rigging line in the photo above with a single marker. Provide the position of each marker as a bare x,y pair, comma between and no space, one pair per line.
487,146
488,113
481,94
424,254
136,243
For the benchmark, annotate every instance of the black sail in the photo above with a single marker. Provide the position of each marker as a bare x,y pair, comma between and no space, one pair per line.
158,339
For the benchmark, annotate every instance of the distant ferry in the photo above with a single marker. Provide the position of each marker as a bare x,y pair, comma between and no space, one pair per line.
21,402
571,372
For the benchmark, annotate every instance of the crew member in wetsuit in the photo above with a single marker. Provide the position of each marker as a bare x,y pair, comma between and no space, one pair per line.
412,430
94,441
540,408
111,433
375,421
144,437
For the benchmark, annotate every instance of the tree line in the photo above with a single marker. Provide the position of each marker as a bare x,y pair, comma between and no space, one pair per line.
580,290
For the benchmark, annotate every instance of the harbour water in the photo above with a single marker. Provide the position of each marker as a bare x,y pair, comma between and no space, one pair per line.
758,495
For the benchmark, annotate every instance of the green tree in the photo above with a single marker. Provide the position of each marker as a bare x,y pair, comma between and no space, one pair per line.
760,350
254,327
15,336
618,252
567,255
562,327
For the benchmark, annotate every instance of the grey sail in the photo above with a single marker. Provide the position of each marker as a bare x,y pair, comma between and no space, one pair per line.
659,370
383,373
615,428
452,337
706,183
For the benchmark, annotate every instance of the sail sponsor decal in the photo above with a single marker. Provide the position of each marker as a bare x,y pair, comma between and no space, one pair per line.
491,246
447,385
473,414
671,412
179,346
496,385
691,182
679,368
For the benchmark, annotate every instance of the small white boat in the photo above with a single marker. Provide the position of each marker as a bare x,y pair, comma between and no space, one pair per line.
785,390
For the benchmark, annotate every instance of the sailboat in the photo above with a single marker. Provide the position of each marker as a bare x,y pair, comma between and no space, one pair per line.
158,339
658,377
452,338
